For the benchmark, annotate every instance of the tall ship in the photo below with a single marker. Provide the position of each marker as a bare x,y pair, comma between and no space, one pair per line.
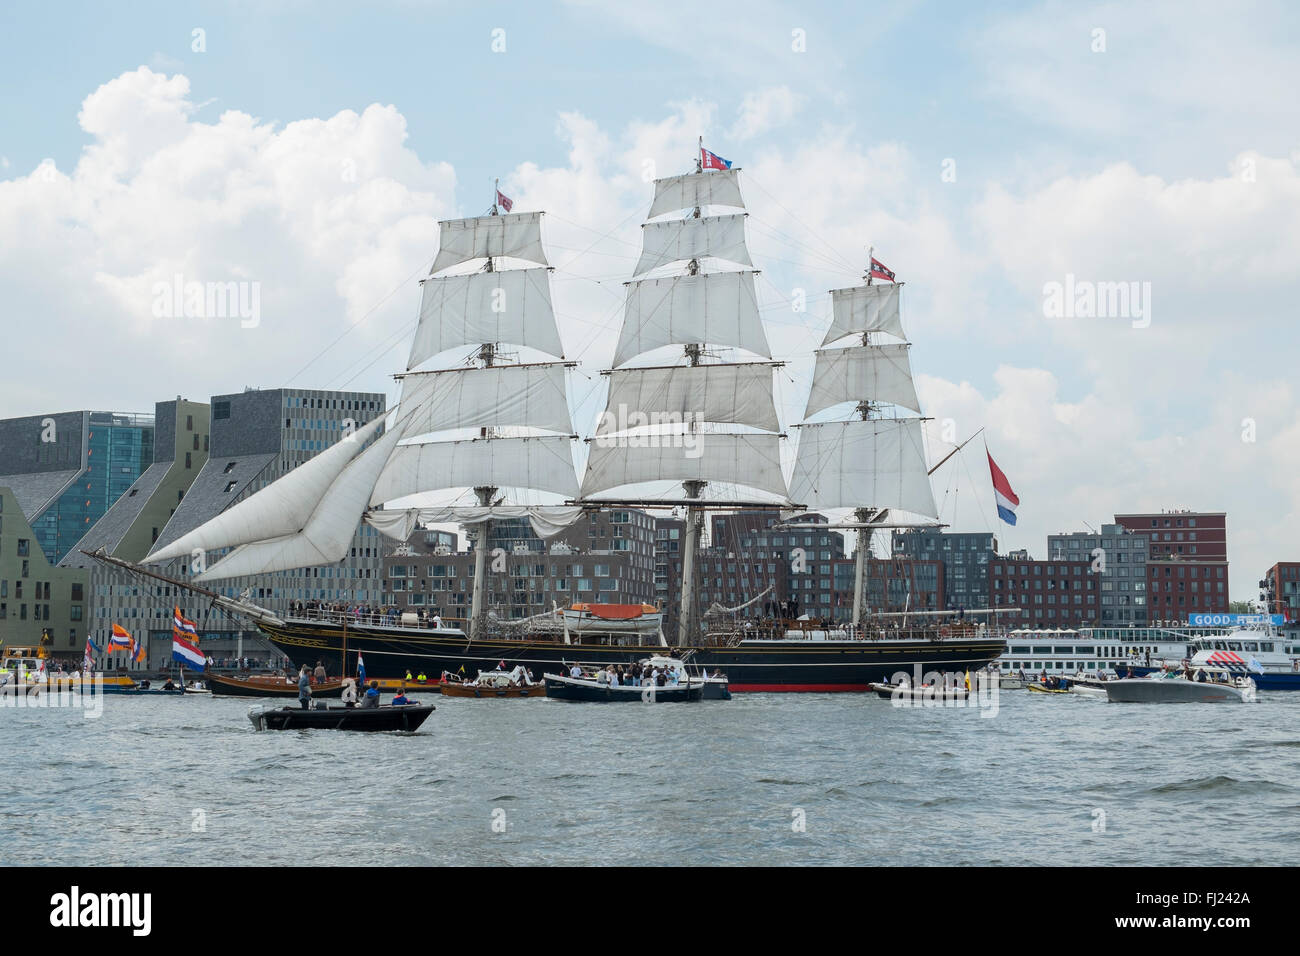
699,434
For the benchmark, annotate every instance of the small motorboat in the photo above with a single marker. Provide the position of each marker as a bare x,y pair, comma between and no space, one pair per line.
923,692
1088,687
592,690
1206,685
222,685
1038,687
385,717
494,684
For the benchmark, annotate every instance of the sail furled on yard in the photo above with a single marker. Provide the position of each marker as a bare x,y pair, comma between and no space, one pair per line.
546,520
510,305
851,464
717,307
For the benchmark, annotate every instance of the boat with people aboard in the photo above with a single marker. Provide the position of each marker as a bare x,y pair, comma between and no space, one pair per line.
1256,651
268,685
385,717
658,679
1204,684
496,684
903,690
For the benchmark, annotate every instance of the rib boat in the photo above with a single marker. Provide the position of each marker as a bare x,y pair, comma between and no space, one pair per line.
386,717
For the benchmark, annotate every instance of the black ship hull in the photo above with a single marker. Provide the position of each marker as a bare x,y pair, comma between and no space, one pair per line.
751,665
407,718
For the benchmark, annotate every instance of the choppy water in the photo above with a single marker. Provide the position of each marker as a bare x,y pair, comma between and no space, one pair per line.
722,782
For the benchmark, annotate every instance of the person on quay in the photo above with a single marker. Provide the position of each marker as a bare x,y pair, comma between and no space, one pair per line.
304,688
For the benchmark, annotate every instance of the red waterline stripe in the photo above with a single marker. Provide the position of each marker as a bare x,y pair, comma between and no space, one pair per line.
797,688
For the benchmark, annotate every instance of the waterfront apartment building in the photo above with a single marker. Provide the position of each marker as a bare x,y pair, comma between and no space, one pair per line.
40,604
606,557
1049,594
255,437
1187,562
965,557
1118,557
1280,588
67,469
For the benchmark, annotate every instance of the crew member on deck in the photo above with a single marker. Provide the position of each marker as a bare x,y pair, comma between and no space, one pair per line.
400,697
304,687
372,695
319,673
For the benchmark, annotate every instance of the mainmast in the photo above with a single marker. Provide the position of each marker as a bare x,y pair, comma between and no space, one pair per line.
694,309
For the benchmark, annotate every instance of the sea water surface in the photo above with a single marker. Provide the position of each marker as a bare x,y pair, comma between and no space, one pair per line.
762,779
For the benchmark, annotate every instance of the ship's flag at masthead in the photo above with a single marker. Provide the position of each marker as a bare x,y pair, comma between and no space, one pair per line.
1006,498
504,201
880,271
710,160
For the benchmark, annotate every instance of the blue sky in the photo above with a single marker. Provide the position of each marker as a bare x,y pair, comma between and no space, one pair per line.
1168,156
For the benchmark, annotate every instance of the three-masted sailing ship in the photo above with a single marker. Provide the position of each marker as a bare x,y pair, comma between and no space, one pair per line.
492,425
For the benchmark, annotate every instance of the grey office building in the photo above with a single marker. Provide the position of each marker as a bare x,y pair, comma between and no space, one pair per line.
256,436
965,557
1119,557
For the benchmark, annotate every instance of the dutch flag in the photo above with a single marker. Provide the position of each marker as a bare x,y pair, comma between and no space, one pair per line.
1006,498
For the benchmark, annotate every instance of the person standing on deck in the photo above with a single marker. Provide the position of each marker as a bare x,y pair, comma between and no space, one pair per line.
319,674
304,688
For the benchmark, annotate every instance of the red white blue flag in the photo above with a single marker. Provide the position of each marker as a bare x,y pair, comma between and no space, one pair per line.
1006,498
712,160
880,271
504,201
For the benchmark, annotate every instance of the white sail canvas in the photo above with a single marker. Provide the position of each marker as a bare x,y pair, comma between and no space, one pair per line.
500,395
865,308
752,461
675,240
877,373
718,308
878,463
713,187
511,306
544,463
517,235
740,394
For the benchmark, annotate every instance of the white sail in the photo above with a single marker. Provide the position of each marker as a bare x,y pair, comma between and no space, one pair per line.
675,240
546,520
328,533
512,305
517,235
281,508
878,463
720,308
544,463
865,308
713,187
702,393
876,373
753,461
499,395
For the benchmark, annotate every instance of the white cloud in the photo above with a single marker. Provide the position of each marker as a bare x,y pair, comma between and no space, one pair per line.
764,110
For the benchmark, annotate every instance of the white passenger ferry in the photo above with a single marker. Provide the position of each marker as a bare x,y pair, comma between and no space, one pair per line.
1113,649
